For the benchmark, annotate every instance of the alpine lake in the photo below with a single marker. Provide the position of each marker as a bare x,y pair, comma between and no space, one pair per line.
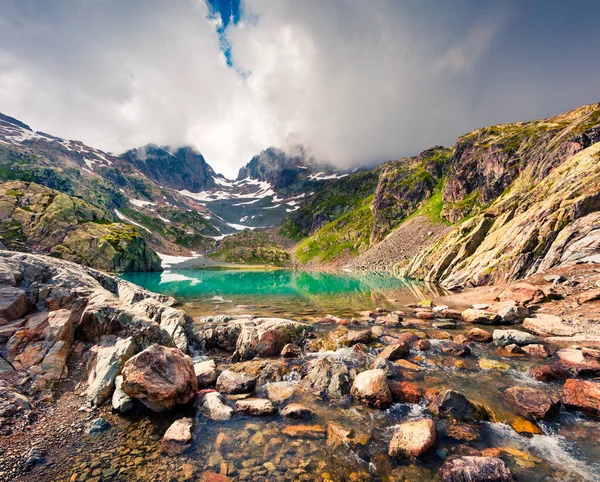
274,448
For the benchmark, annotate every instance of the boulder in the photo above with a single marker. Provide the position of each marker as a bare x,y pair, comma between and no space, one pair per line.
121,402
206,373
174,322
296,410
523,293
407,336
362,336
327,377
111,355
178,437
513,337
475,469
255,407
454,349
13,303
477,334
581,395
588,296
233,382
413,439
547,373
98,425
536,350
532,402
449,403
549,325
280,392
575,362
480,317
370,387
405,392
291,351
160,377
213,406
395,351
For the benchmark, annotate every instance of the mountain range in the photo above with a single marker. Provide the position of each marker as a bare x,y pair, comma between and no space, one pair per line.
505,201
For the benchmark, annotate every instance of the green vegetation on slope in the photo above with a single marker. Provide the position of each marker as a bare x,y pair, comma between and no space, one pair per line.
251,247
349,234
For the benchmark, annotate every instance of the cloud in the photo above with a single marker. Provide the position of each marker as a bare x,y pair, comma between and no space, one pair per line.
355,82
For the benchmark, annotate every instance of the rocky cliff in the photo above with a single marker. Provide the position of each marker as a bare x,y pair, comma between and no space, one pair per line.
37,218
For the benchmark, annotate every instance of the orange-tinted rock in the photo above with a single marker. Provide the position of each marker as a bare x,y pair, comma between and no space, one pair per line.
395,352
421,345
160,377
581,395
371,387
305,431
532,402
413,439
536,350
405,392
477,334
547,373
523,293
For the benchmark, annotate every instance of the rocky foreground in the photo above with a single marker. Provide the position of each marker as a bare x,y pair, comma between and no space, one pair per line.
84,354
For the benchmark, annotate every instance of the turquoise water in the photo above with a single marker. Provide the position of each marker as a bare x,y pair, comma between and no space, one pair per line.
299,294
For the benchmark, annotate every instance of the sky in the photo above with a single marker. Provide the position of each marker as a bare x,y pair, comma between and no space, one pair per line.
355,82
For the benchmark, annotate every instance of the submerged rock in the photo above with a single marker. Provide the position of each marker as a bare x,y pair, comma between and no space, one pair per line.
475,469
532,402
413,439
178,437
97,425
160,378
371,387
296,410
234,382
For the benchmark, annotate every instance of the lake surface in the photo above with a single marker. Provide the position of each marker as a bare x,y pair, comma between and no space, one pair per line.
303,296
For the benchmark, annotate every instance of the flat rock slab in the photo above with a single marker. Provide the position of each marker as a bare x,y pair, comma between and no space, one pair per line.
549,325
475,469
581,395
256,407
178,437
532,402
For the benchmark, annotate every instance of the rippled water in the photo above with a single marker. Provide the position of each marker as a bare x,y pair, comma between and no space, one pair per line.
258,449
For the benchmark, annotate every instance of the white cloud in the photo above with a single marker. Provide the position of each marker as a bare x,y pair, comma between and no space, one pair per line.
353,81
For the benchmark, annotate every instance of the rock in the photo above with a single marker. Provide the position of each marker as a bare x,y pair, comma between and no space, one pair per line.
514,349
354,337
255,406
454,349
523,293
405,392
407,337
370,387
305,431
178,437
547,325
296,410
291,351
555,278
13,303
480,306
575,362
110,357
35,457
174,322
480,317
536,350
477,334
487,364
160,377
511,313
121,402
213,407
413,439
460,339
585,297
547,373
206,373
280,392
513,337
266,337
214,477
327,377
97,425
393,319
232,382
475,469
449,403
581,395
445,325
532,402
421,345
395,352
